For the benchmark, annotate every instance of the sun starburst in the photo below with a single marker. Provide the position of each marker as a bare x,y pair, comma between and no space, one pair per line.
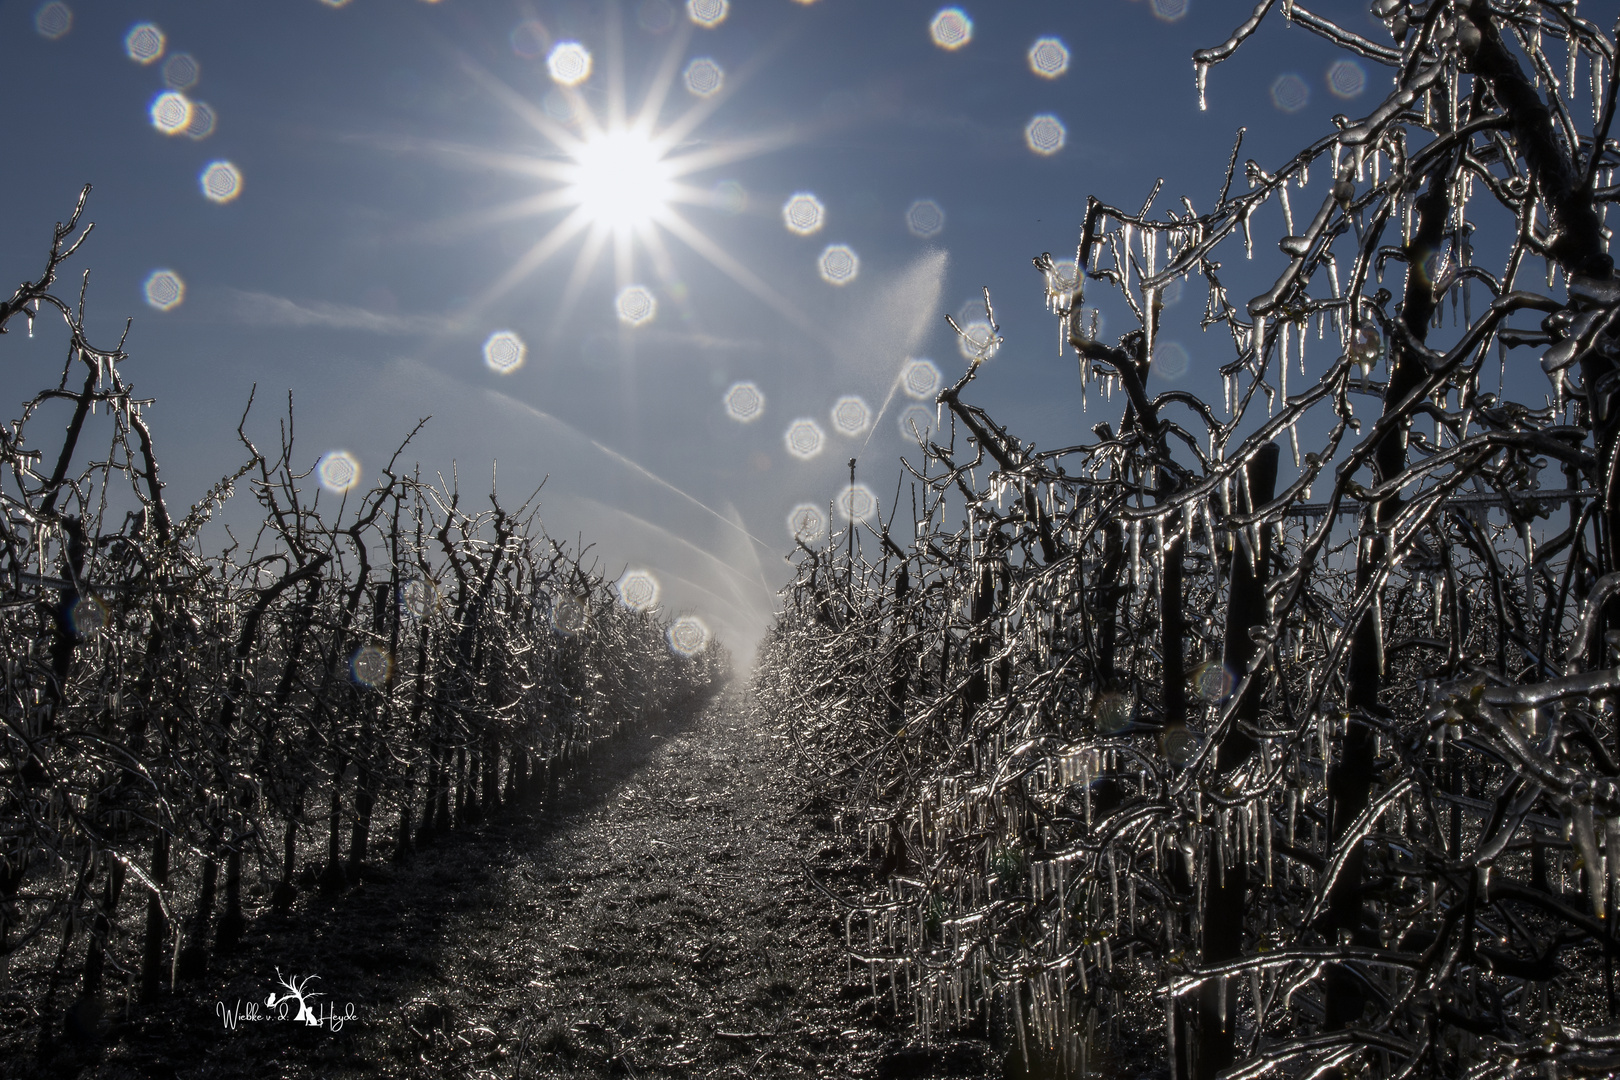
619,180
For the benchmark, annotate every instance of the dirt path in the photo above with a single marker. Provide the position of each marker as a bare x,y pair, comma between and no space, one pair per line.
654,920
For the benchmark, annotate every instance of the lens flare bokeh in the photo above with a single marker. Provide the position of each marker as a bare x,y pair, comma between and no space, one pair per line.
569,63
1290,93
1049,57
1169,10
856,502
1114,710
570,615
221,181
170,112
637,589
917,423
804,438
1213,681
339,471
203,120
920,378
181,71
703,77
977,341
687,635
1045,134
803,213
838,264
87,616
164,290
851,416
1169,360
53,20
504,351
371,666
707,13
635,305
730,196
745,402
925,218
1346,79
1181,745
951,29
807,523
418,597
144,43
529,39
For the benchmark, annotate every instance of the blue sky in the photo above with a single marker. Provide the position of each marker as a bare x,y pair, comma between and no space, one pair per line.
401,166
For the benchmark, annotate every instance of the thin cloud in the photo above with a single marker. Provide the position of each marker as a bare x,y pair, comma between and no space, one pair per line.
266,309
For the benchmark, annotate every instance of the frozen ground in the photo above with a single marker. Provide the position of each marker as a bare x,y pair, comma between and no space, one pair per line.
652,919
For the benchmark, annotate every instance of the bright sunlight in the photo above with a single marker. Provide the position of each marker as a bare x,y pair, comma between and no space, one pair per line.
623,180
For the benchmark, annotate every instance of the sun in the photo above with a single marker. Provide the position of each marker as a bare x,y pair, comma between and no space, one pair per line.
623,181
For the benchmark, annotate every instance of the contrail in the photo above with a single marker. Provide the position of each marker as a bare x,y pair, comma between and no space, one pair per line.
655,478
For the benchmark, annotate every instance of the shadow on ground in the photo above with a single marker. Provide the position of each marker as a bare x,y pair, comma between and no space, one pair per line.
651,919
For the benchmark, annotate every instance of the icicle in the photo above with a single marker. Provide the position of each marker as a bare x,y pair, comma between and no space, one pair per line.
1283,366
1136,552
1611,842
1150,297
1201,76
1574,60
1113,881
1585,839
1265,838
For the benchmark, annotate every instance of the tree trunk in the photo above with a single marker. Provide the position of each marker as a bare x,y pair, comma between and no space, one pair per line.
1226,894
157,927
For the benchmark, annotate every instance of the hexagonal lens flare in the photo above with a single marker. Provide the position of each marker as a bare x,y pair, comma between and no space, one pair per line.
170,112
807,523
707,13
856,503
221,181
504,351
951,29
920,379
804,438
164,289
917,423
851,416
925,218
838,264
569,63
1049,57
745,402
339,471
635,305
704,77
1045,134
144,43
803,213
687,635
53,20
638,590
